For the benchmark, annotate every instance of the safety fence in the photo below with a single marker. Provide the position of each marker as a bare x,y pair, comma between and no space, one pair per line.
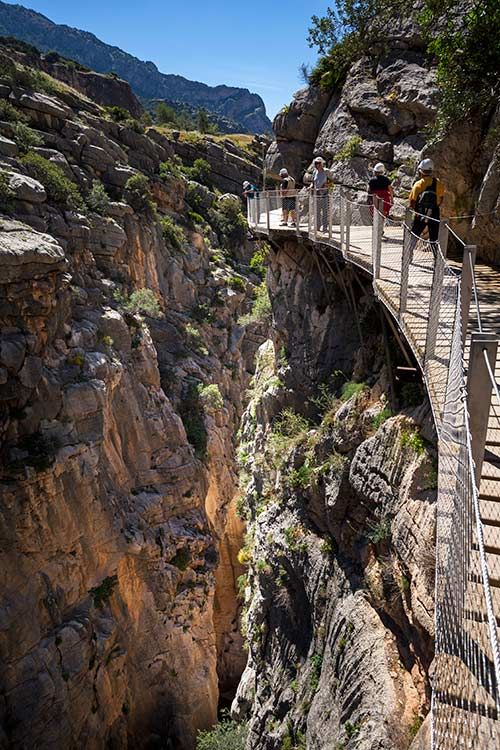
431,300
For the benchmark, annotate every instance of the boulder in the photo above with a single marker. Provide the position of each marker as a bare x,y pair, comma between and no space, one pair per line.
47,105
7,147
25,253
26,188
112,324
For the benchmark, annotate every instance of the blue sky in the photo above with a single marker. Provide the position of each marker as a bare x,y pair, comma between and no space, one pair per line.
256,44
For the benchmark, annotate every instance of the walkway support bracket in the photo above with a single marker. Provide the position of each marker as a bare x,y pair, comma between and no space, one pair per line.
479,389
467,285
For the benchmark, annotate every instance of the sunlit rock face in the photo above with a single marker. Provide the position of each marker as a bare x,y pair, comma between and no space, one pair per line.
118,564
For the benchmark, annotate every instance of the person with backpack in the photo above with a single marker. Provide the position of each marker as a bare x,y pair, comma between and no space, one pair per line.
425,199
287,192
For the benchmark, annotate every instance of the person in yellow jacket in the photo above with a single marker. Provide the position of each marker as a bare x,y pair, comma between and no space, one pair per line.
425,198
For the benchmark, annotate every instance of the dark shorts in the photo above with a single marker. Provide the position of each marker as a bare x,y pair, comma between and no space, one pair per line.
289,204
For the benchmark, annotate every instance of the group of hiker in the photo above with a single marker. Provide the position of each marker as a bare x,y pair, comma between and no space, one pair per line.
425,197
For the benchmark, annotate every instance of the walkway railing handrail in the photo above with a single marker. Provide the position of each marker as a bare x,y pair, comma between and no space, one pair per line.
430,302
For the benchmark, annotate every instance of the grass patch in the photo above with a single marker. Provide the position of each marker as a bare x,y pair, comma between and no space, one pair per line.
351,389
412,440
382,417
25,137
194,340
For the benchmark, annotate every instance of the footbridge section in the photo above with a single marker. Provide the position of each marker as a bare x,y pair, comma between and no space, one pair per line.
449,314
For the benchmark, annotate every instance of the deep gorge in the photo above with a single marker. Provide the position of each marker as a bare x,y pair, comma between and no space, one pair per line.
217,461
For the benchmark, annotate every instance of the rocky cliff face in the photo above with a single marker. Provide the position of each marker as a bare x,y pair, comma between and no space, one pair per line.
122,369
237,104
339,494
382,113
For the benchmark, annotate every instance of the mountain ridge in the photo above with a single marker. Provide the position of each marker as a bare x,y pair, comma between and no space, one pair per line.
238,104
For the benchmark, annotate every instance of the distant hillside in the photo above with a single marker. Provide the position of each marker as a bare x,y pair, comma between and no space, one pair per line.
247,110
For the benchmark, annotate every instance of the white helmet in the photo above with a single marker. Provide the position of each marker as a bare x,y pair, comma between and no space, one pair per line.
427,165
379,168
283,172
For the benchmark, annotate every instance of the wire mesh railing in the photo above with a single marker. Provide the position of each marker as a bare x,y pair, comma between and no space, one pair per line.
430,300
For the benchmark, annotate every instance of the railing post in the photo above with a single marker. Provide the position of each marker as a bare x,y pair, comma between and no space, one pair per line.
443,237
297,211
348,217
342,222
405,270
466,286
434,307
330,212
315,216
268,216
377,230
479,390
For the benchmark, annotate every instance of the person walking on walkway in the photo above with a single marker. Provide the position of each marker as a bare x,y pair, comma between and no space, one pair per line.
425,199
380,186
287,191
319,186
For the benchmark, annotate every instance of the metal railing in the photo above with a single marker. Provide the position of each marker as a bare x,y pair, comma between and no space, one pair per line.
430,300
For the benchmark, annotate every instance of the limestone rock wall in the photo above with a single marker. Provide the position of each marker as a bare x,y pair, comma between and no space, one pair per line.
117,623
339,495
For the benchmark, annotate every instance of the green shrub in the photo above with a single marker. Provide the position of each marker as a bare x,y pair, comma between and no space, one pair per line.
7,195
380,531
412,439
211,397
25,137
195,339
261,308
202,313
118,114
34,80
229,223
381,417
143,301
227,735
98,199
349,149
415,725
316,665
137,192
195,218
9,113
59,188
193,418
301,477
258,259
173,234
236,283
102,593
171,168
351,388
200,171
181,559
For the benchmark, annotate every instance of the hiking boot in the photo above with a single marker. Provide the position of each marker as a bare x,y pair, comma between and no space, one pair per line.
282,223
292,224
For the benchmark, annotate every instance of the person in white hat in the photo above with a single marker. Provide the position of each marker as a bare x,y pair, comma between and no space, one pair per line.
319,185
425,198
287,192
380,186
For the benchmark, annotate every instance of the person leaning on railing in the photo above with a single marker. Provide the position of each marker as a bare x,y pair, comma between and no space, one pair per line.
425,199
250,191
287,193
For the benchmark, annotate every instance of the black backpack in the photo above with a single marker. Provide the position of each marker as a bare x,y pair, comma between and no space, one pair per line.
427,200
